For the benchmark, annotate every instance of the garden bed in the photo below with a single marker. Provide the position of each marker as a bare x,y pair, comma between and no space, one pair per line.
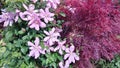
59,34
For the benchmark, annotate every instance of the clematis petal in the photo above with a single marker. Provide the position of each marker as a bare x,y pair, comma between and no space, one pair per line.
56,48
46,38
37,54
30,43
52,31
31,7
25,6
72,48
67,64
42,24
66,56
46,32
61,64
31,53
6,23
37,27
60,52
76,57
37,41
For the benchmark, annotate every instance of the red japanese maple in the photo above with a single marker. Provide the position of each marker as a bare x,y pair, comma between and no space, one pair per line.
93,26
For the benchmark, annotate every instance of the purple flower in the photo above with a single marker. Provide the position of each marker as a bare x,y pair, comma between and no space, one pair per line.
46,15
71,55
29,10
53,3
36,49
60,47
35,22
51,36
32,16
7,18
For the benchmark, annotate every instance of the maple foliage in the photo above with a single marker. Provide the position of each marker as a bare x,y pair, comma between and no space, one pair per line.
93,26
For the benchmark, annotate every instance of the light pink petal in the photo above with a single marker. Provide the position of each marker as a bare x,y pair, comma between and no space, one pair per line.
52,14
47,10
42,25
31,53
37,54
31,22
51,42
37,41
30,43
71,59
56,48
51,48
31,7
32,26
56,34
67,64
16,18
37,27
6,23
10,23
34,1
72,48
61,65
46,38
31,48
50,19
76,57
41,11
63,47
66,56
46,20
67,50
60,52
25,16
46,32
52,31
25,6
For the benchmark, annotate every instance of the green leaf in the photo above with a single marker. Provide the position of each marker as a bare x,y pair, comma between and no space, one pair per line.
63,14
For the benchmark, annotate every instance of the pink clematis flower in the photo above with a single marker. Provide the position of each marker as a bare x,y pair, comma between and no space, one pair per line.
60,47
46,15
36,50
53,3
71,55
7,18
35,22
29,10
51,37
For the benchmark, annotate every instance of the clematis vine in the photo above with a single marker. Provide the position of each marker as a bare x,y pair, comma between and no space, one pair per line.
35,48
52,37
7,18
53,3
46,15
60,47
71,55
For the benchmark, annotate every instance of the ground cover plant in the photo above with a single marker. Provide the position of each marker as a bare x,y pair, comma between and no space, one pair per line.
60,34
